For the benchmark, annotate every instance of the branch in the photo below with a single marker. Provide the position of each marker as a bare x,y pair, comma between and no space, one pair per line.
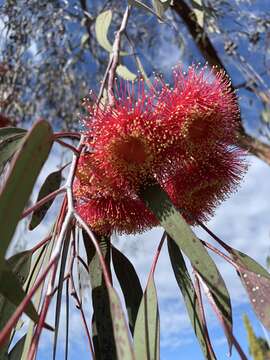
204,44
114,58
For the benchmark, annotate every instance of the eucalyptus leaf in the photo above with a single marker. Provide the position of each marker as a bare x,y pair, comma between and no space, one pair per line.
103,22
51,183
125,73
190,298
130,285
175,225
25,168
147,326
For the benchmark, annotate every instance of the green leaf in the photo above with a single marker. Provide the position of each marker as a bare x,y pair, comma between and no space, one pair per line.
23,173
125,73
161,6
256,280
20,264
41,258
120,330
59,291
6,132
145,7
130,285
103,341
175,225
147,327
8,147
51,183
11,289
191,301
16,351
103,22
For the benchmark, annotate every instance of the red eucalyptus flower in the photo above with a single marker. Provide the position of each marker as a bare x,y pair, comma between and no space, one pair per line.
183,137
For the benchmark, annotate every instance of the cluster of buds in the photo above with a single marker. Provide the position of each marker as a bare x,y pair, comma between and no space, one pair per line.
182,137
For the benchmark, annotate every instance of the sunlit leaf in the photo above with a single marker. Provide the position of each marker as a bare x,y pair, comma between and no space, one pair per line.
51,183
23,173
125,73
6,132
103,22
191,301
175,225
147,327
143,6
130,285
161,6
256,281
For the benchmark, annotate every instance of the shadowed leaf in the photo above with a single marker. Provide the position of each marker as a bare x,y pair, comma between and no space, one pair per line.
191,301
20,263
130,285
120,330
147,327
16,351
24,170
103,341
51,183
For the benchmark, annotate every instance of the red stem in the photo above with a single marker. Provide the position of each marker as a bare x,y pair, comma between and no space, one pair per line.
200,304
40,244
220,253
215,237
42,202
154,264
67,134
68,146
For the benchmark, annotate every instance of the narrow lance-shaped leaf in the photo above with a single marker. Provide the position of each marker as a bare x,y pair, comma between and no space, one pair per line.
51,183
20,265
147,327
120,330
11,289
60,288
227,325
191,301
130,285
25,168
175,225
103,342
10,141
40,259
256,281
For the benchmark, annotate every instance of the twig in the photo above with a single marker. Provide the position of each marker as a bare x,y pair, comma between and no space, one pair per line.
43,201
68,146
114,58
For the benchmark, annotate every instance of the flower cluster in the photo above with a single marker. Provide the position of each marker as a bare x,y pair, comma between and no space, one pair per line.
182,137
